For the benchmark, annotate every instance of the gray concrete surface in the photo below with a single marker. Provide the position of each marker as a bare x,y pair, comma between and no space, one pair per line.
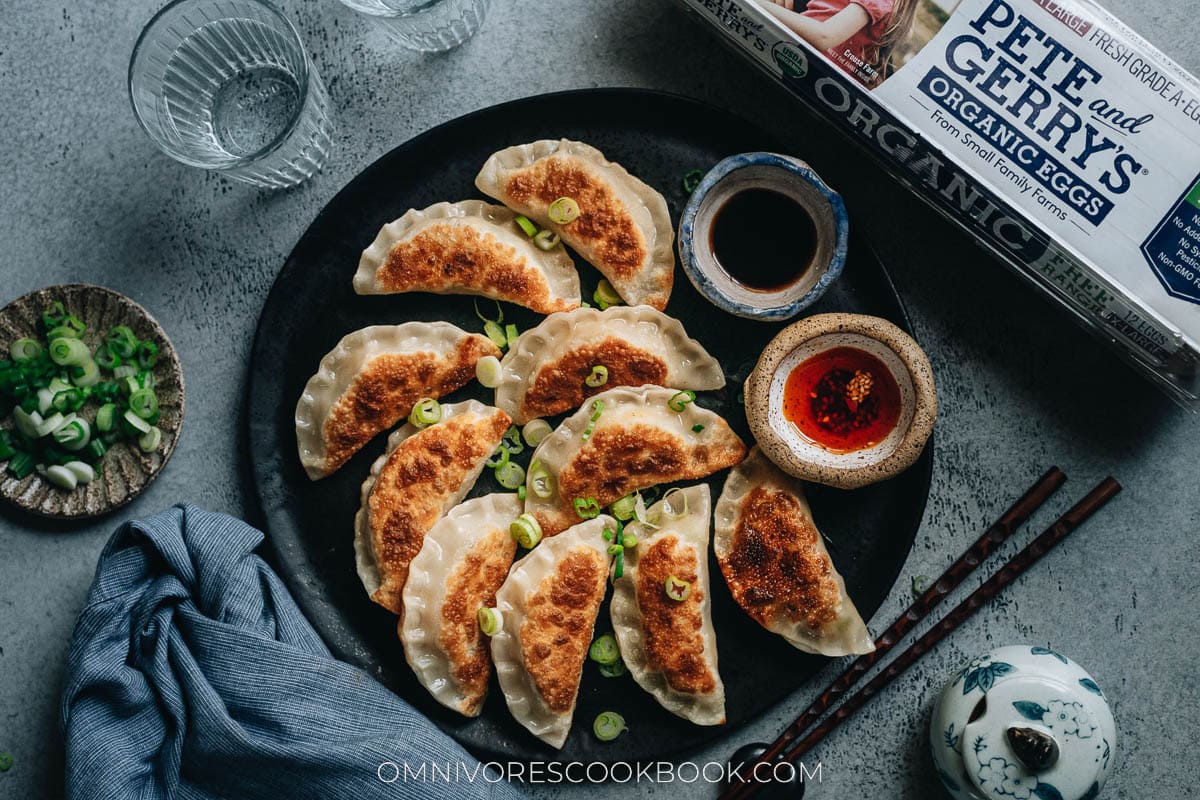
86,197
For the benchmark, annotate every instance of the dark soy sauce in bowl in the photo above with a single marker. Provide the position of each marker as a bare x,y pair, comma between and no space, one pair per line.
763,239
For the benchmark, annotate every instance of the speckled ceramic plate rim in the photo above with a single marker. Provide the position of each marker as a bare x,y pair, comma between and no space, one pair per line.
168,357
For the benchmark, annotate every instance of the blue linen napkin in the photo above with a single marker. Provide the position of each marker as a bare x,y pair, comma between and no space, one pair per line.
192,674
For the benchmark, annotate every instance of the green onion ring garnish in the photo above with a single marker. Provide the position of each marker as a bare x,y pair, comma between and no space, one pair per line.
619,564
697,428
521,493
489,372
605,295
526,225
563,211
512,441
613,549
680,400
605,650
25,349
426,412
494,331
677,589
510,475
613,670
68,352
511,334
629,541
598,378
526,530
541,483
535,431
623,508
692,180
586,507
499,457
490,621
546,240
608,726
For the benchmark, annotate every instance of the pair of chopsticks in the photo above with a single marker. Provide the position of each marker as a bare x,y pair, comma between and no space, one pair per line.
792,744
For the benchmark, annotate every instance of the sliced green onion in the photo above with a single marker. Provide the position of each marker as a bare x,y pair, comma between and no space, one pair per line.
144,403
95,449
495,332
605,650
623,508
499,457
61,477
145,379
426,412
919,582
147,354
511,334
122,341
535,431
21,465
512,441
135,422
605,295
526,530
69,352
541,482
697,428
499,312
25,349
629,541
149,441
488,372
692,180
669,507
597,410
6,445
546,240
73,436
613,549
679,401
57,385
27,422
608,726
62,332
586,507
510,475
73,324
677,589
53,316
526,225
607,535
124,371
106,417
129,385
69,400
84,473
619,564
563,211
50,424
45,401
106,358
491,621
598,378
86,374
521,493
613,670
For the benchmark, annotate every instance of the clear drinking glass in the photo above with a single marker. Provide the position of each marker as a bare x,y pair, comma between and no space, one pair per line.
426,25
227,85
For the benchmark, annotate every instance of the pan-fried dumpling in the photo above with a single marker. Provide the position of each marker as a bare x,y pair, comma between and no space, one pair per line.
776,564
549,604
464,560
424,473
670,645
371,380
635,442
623,228
470,247
544,372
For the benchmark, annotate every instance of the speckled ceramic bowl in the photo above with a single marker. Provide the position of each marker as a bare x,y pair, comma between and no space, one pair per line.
788,176
126,470
796,454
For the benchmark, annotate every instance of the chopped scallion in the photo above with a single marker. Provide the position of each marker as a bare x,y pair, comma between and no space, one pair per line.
106,417
546,240
25,349
697,428
598,378
499,457
613,670
61,477
563,211
535,431
541,482
526,530
488,371
21,465
144,403
510,475
135,422
512,441
586,507
629,541
679,401
491,621
84,473
122,341
511,334
605,295
692,180
495,331
149,441
147,354
608,726
623,508
526,225
605,650
426,412
68,352
675,509
74,435
677,589
521,493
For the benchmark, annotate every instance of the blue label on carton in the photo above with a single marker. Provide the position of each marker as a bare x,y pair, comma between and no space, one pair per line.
1173,249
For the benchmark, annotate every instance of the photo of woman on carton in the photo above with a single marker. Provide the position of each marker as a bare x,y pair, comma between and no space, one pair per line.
867,38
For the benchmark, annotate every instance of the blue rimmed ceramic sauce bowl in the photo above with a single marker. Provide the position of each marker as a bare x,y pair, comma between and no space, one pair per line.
820,248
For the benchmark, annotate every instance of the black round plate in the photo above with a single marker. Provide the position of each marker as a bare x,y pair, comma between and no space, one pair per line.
659,138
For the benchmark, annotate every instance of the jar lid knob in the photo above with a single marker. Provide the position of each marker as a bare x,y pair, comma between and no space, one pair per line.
1036,749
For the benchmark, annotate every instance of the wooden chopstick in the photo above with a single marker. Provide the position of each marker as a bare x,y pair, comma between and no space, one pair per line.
1062,527
972,557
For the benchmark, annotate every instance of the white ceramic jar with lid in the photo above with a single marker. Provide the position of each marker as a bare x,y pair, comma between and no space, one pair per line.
1023,723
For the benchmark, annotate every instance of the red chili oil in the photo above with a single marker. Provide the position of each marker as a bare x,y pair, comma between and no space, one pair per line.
842,399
